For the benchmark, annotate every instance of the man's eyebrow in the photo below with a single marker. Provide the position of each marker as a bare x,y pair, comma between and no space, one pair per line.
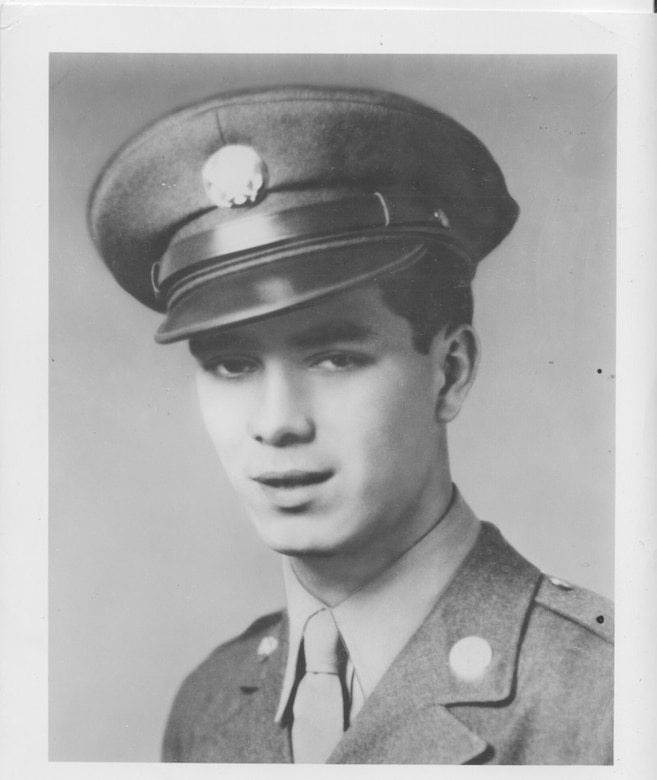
315,336
220,342
331,332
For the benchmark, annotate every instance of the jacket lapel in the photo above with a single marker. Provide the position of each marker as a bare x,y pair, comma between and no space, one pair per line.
407,718
393,728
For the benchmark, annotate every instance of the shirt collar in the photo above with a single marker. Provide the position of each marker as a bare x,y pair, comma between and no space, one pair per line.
377,621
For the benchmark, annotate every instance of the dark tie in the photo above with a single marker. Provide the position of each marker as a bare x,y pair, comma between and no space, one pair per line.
318,704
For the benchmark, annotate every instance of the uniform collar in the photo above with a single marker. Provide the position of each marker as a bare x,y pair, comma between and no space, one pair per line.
488,599
377,621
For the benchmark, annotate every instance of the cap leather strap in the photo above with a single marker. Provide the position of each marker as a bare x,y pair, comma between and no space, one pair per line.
339,217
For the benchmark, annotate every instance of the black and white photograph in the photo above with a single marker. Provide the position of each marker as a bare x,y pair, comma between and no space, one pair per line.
326,396
383,286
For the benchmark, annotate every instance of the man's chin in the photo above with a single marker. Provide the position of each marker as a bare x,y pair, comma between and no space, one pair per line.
296,536
299,548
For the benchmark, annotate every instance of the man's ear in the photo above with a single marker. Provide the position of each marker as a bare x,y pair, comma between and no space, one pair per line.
455,353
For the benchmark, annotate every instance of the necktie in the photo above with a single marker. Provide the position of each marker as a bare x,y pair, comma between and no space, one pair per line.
318,704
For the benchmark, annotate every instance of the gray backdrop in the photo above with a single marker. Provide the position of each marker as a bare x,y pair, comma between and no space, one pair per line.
152,562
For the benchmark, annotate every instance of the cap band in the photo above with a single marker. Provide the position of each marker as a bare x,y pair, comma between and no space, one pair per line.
335,218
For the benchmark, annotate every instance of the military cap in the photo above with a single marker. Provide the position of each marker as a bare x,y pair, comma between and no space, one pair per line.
256,202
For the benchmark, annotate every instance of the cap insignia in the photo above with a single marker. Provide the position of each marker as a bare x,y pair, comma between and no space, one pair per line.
235,175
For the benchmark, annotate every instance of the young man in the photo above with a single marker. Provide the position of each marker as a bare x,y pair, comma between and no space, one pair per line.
316,248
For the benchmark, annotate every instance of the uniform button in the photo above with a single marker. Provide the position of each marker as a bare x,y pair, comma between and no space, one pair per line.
561,583
267,646
470,657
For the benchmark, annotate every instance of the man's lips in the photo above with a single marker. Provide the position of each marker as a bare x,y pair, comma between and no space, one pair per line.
292,479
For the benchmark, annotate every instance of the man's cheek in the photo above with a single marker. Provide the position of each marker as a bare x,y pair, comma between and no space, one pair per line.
229,450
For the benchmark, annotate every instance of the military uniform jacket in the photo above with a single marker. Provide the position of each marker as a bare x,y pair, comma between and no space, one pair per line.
545,696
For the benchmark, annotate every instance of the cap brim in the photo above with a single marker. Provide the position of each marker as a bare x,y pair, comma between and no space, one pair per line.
288,280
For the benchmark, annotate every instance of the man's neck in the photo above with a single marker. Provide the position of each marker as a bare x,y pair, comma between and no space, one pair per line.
331,579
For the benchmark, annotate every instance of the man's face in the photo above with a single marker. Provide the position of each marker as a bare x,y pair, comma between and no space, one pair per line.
324,420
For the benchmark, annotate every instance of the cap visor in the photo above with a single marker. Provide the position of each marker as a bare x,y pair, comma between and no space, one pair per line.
283,281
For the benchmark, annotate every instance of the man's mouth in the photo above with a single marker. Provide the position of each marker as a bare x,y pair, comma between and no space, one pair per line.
289,480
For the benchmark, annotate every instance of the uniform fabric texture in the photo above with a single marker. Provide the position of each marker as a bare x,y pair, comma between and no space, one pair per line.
545,697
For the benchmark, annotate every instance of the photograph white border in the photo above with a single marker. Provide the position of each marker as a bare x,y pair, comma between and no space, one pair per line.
30,33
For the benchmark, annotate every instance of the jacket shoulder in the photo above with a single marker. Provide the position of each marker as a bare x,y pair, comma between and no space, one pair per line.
578,605
215,684
234,657
255,631
565,678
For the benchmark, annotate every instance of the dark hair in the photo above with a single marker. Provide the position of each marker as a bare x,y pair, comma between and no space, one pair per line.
431,295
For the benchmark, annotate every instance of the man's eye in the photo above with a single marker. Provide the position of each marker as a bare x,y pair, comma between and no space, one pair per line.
338,361
231,368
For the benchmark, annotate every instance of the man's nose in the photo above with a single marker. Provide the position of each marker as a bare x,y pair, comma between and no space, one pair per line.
282,416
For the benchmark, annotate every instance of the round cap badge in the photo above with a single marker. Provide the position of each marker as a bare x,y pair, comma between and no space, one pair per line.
235,175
